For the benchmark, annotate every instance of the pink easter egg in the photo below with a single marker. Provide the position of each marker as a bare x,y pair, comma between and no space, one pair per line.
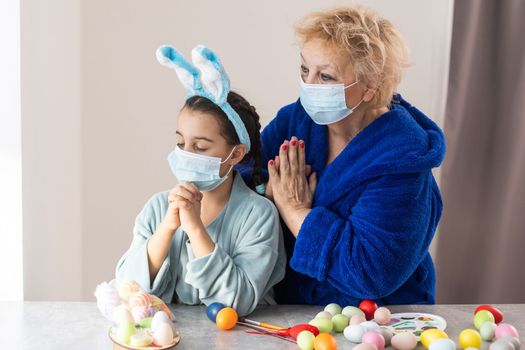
139,313
373,337
506,330
382,315
139,298
357,319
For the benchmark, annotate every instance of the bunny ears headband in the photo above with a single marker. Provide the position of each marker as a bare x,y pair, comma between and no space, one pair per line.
206,78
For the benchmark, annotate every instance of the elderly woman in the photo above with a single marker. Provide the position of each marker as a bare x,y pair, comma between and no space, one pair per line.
349,167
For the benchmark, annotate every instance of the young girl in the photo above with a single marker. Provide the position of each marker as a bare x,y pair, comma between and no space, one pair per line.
210,238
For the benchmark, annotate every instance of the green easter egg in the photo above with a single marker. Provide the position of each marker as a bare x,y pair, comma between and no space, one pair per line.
481,317
124,331
333,308
145,322
487,331
350,311
340,322
324,325
305,340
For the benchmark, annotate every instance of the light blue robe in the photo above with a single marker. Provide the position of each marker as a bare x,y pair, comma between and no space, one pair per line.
248,259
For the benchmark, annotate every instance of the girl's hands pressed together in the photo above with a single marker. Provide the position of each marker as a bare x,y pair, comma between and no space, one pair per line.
185,199
291,183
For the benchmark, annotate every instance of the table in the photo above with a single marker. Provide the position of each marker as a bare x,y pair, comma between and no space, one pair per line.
79,325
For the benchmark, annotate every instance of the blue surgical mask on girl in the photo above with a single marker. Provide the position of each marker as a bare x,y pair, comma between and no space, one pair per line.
325,103
202,171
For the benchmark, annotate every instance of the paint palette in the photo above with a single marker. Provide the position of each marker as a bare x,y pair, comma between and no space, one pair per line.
415,322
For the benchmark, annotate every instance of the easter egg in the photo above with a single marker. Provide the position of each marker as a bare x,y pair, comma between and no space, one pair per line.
387,334
350,311
370,325
358,319
226,318
354,333
340,322
121,314
515,341
498,315
325,341
404,341
141,339
139,313
481,317
487,331
443,344
324,314
213,309
382,315
163,335
124,331
364,346
145,322
469,338
324,325
373,337
505,330
502,345
431,335
368,307
333,309
305,340
158,319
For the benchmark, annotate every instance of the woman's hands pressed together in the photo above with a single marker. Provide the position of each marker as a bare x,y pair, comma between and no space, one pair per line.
292,185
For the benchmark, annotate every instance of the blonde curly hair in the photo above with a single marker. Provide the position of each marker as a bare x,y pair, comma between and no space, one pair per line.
377,51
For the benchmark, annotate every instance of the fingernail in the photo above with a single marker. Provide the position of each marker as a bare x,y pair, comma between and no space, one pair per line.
301,144
293,143
271,162
284,147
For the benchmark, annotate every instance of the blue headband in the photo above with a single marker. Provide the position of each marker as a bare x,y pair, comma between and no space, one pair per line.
206,78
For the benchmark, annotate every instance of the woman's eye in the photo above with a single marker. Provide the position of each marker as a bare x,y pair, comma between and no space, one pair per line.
304,69
326,77
180,145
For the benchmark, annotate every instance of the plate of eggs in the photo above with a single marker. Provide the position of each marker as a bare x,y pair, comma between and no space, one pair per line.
157,332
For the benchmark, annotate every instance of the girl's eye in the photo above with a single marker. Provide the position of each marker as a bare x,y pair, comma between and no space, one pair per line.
326,77
199,149
304,69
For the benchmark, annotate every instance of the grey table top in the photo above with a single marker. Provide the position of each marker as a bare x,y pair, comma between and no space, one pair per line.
76,325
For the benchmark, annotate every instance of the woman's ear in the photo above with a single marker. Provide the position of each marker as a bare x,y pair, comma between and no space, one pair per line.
238,154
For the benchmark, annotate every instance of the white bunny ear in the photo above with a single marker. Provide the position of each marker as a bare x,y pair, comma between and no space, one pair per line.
215,81
168,56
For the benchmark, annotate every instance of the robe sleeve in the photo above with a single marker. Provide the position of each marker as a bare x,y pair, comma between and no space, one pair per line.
134,265
374,249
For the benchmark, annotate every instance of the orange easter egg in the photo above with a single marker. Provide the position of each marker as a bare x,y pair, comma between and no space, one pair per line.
226,318
325,341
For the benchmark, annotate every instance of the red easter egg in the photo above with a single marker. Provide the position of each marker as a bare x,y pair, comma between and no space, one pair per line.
498,315
295,330
368,307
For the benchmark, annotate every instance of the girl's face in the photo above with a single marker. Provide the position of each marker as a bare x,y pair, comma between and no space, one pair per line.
199,133
323,64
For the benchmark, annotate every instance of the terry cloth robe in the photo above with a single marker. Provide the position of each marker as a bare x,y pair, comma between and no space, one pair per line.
374,212
248,259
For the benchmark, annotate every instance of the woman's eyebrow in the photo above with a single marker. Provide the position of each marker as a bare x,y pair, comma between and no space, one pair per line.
320,66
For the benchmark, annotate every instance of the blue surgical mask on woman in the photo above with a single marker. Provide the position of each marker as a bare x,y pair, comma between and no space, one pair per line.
202,171
325,103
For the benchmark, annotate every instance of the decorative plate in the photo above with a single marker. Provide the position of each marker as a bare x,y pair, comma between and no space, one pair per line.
117,345
415,322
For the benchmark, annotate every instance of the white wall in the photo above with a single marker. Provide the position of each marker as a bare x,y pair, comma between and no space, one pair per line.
118,126
51,140
11,283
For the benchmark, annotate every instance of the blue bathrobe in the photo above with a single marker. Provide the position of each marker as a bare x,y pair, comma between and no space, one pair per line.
374,212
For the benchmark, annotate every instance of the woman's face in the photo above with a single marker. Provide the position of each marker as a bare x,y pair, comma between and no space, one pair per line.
324,64
199,133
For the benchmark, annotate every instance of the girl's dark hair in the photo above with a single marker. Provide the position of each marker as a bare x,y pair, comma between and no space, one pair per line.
249,117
